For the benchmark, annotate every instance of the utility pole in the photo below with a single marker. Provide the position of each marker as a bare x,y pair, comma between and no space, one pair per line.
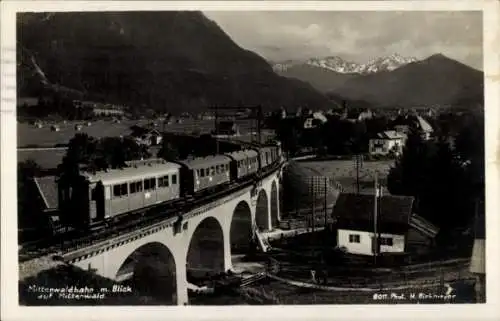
259,118
313,202
358,164
257,115
325,204
216,130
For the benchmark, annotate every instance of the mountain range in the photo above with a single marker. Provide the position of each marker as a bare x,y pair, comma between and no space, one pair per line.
337,64
179,61
392,81
171,61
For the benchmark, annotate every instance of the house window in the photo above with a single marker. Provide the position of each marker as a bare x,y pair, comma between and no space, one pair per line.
163,181
386,241
354,238
174,179
120,190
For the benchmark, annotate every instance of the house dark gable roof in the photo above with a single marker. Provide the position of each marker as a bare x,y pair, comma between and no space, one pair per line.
395,210
48,190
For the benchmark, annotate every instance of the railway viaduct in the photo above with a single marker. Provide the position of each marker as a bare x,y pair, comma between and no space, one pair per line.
203,242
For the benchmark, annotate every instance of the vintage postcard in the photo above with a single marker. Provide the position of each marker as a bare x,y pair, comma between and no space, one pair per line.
316,156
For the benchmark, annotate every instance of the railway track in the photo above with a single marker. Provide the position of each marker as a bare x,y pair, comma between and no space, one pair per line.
73,241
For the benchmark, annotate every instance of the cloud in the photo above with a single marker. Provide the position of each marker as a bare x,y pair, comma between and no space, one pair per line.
357,36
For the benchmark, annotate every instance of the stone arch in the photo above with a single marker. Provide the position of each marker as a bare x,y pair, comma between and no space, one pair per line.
205,255
240,235
274,205
262,211
151,271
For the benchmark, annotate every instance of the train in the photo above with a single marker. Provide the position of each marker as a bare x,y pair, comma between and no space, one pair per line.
99,197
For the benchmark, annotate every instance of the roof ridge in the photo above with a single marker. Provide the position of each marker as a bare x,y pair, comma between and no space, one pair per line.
41,192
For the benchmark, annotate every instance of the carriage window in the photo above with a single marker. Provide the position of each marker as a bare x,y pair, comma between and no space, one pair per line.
149,183
124,189
174,179
120,190
202,172
212,171
163,181
137,187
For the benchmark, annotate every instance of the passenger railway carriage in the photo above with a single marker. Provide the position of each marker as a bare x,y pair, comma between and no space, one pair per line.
204,173
99,196
243,163
96,197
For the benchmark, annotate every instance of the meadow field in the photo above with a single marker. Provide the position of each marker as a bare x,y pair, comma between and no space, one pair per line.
30,136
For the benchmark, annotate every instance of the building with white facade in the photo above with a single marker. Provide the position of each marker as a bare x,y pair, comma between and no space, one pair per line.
398,229
387,142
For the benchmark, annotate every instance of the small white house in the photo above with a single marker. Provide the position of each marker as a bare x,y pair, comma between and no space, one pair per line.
387,142
354,214
315,119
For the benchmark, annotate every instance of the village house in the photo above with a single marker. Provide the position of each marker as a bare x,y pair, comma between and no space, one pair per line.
147,137
355,115
100,109
387,142
399,230
108,111
46,201
314,120
404,124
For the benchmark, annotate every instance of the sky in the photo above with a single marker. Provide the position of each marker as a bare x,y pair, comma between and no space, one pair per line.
354,35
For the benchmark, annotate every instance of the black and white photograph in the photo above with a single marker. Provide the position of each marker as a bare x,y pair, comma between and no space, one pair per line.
209,156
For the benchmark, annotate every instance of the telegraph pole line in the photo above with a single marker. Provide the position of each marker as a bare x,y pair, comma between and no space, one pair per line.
325,204
216,130
313,203
259,118
357,160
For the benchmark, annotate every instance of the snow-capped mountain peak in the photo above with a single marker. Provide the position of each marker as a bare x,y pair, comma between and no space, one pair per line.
340,65
388,63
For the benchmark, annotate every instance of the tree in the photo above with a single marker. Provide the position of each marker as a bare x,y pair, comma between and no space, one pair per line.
443,199
434,173
288,134
407,177
205,145
81,150
168,151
